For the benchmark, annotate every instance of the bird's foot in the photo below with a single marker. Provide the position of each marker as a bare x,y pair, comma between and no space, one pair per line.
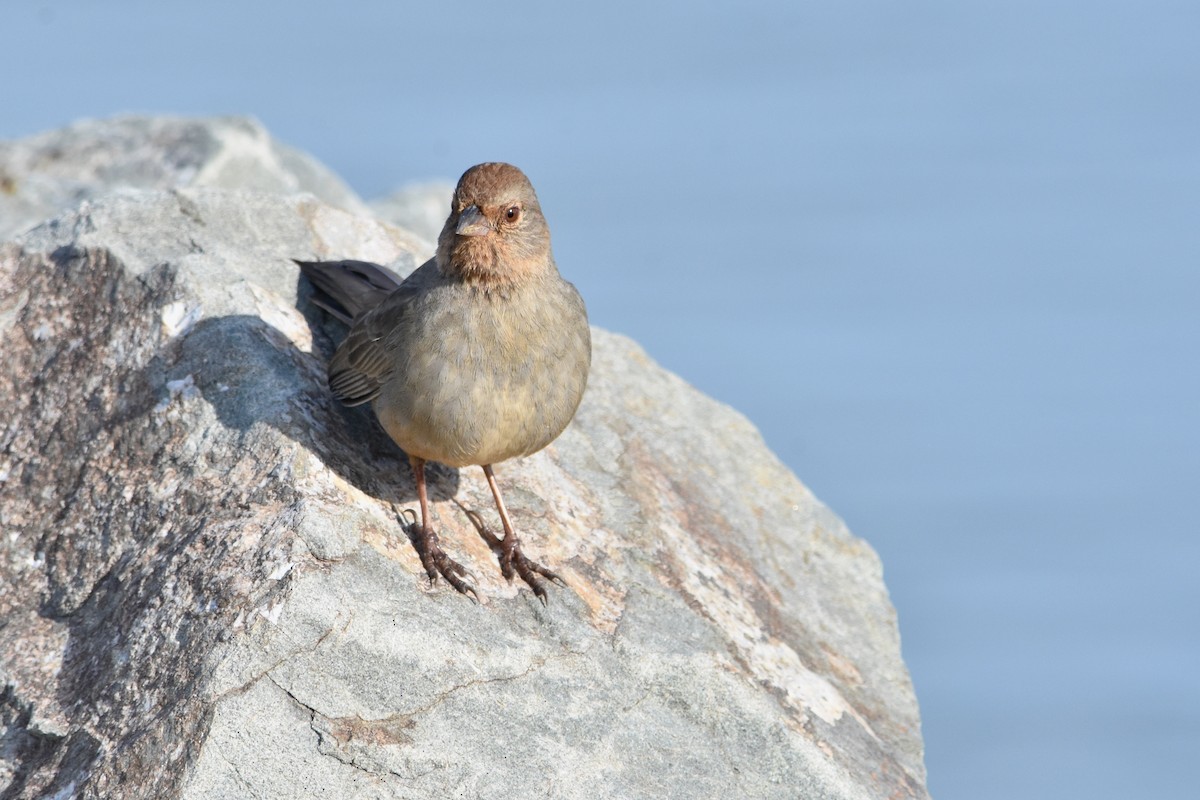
434,558
512,561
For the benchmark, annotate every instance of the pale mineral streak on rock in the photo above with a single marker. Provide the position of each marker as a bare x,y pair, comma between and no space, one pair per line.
205,590
276,312
178,318
767,658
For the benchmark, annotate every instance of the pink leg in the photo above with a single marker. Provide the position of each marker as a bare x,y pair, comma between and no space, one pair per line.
434,559
512,560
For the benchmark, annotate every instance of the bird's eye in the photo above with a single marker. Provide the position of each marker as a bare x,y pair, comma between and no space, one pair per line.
513,213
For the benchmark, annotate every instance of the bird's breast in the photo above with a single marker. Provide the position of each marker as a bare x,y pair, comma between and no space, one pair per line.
483,377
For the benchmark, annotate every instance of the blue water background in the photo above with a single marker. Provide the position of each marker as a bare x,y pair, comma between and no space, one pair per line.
946,255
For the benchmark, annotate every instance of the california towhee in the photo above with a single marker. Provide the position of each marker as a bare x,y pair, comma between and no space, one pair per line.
480,355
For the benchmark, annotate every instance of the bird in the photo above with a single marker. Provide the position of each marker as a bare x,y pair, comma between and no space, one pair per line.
479,356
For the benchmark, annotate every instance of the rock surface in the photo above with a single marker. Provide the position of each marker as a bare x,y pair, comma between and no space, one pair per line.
419,208
205,593
47,174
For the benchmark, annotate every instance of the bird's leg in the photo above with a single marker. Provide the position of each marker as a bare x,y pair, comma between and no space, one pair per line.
425,539
512,560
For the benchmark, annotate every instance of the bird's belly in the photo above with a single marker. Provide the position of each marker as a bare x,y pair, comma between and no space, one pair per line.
481,399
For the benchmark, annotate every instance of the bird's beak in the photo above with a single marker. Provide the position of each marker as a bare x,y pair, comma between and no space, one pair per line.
472,222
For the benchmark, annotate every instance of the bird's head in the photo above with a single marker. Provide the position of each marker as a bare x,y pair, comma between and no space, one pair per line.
496,234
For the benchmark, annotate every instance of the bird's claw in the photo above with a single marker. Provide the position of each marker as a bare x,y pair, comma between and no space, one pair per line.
514,562
434,558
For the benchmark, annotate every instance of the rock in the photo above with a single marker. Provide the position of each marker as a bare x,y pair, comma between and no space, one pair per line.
45,175
205,593
417,207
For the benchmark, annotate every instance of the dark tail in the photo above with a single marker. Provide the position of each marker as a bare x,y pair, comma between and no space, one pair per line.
346,289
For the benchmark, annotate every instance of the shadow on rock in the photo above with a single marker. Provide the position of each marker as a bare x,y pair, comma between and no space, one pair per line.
248,384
